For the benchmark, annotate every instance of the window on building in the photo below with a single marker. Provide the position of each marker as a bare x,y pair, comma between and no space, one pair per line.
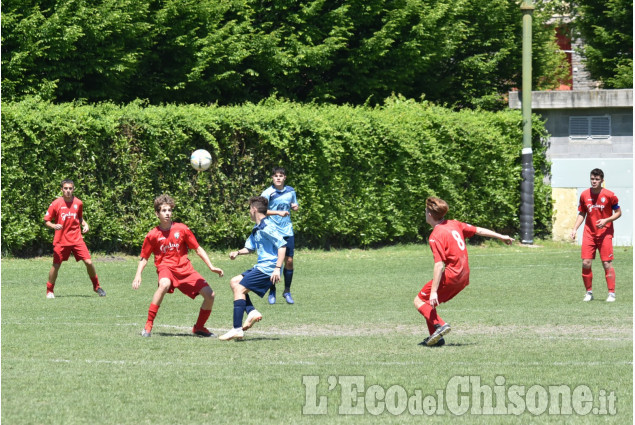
586,128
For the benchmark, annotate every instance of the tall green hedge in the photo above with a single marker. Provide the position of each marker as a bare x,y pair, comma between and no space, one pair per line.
361,174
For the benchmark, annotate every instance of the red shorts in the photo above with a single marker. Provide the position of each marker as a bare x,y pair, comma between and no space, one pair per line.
604,244
62,253
446,290
190,283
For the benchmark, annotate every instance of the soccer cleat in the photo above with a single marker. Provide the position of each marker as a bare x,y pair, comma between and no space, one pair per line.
287,297
253,317
50,294
100,292
272,296
146,334
202,331
588,296
611,297
439,343
235,333
439,333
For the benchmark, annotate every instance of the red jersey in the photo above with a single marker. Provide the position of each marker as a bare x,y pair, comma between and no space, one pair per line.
597,207
69,215
170,247
447,242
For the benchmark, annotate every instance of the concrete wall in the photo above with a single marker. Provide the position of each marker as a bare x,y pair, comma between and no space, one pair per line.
573,159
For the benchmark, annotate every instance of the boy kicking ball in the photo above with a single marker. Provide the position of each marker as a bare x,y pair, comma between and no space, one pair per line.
271,248
170,243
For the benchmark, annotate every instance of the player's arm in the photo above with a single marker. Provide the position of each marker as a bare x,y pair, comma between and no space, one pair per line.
603,222
275,276
481,231
201,253
85,227
242,251
437,273
578,221
51,225
281,213
137,279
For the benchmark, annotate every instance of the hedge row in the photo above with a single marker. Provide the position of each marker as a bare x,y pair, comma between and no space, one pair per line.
361,174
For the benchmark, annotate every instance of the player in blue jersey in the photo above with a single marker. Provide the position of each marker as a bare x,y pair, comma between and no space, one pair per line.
282,200
271,248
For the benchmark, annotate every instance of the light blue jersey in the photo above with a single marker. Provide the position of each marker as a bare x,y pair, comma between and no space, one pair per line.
281,200
266,241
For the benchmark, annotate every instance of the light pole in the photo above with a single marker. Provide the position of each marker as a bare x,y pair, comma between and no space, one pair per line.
527,184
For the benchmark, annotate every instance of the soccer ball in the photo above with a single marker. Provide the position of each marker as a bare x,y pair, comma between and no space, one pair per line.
201,160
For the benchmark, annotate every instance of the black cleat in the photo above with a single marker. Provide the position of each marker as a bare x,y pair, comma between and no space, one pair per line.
439,333
440,343
100,292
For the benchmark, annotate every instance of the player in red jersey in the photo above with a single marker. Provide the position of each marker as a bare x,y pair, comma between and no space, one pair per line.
170,243
451,270
64,216
600,207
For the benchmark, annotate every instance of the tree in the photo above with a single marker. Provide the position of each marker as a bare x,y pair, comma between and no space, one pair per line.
606,28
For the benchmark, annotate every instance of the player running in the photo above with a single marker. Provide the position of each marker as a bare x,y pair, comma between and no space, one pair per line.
451,270
600,207
271,248
170,243
64,216
282,200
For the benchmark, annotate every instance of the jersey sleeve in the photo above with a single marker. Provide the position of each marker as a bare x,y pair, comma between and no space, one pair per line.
190,239
250,244
147,248
581,205
615,203
294,199
468,230
50,214
437,250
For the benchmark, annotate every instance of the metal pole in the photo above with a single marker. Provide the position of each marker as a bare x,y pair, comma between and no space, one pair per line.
527,185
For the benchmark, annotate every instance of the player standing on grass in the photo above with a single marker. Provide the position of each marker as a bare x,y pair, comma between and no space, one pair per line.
600,207
170,243
64,216
271,248
451,270
282,199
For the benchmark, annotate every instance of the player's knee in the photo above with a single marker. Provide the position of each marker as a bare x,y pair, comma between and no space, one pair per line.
235,281
607,264
417,301
88,262
164,284
289,263
586,263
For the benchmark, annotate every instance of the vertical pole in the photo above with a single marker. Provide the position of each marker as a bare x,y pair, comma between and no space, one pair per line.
527,185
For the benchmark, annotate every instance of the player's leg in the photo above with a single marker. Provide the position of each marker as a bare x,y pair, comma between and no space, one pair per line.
588,254
81,253
157,298
50,284
206,309
606,255
288,269
240,305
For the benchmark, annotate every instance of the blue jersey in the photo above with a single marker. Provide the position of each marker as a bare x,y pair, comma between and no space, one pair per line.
281,200
266,240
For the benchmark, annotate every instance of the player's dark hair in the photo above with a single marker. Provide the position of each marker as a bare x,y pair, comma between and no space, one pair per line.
163,199
598,173
66,181
277,170
437,207
260,202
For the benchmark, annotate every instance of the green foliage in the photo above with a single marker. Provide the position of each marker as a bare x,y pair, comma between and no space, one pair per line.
464,53
606,27
362,174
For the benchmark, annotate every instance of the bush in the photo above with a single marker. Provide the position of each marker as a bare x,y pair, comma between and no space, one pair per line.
362,174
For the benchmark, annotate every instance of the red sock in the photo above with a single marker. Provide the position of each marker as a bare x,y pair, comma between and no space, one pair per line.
50,287
432,318
152,313
587,278
203,315
95,281
610,279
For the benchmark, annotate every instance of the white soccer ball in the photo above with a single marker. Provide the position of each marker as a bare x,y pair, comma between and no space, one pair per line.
201,160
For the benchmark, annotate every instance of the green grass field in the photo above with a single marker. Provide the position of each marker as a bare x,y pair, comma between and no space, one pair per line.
518,329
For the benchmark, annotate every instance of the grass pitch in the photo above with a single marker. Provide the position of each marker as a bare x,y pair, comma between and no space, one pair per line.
346,352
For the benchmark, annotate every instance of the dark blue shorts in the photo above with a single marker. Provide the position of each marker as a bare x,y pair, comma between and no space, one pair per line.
290,245
256,281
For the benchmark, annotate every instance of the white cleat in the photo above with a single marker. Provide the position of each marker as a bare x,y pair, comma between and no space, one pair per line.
50,295
253,317
235,333
611,297
588,296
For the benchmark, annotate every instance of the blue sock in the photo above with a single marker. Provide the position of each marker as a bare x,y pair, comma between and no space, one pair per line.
288,277
249,306
239,311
